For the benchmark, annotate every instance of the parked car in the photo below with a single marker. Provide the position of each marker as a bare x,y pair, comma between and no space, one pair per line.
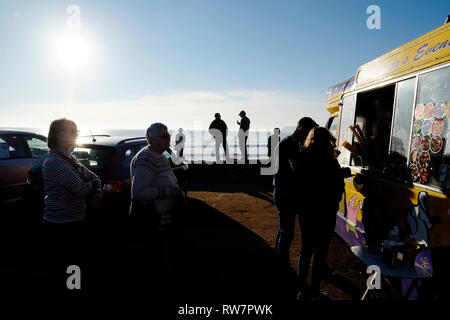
19,151
108,157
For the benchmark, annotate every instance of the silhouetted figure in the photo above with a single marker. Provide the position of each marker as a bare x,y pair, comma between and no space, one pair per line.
322,186
156,199
285,194
219,130
180,139
244,126
273,141
67,184
154,187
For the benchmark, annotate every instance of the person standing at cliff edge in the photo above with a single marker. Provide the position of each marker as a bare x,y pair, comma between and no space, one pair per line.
179,142
219,130
244,127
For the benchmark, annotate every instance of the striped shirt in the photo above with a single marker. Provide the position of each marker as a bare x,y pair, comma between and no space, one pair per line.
65,188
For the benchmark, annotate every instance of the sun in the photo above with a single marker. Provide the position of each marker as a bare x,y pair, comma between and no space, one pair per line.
72,51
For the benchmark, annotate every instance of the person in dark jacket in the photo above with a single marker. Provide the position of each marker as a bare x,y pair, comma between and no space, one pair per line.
285,186
322,186
273,141
244,127
219,130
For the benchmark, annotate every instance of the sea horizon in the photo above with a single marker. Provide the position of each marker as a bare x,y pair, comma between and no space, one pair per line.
199,144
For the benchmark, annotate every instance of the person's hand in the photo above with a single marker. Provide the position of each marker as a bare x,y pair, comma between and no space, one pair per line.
96,199
96,184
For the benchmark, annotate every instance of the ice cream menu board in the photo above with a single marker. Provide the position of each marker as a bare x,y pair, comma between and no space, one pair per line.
429,135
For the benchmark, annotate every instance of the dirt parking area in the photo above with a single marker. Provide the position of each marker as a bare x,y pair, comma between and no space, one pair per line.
222,252
255,211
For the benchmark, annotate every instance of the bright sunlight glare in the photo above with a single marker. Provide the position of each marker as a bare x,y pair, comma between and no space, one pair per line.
72,51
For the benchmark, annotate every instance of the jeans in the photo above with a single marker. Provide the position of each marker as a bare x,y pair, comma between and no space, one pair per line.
287,206
220,140
243,145
316,238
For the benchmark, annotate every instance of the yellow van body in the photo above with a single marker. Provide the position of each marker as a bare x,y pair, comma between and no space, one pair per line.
374,201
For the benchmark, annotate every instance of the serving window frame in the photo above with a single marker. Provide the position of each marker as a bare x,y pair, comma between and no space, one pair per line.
379,86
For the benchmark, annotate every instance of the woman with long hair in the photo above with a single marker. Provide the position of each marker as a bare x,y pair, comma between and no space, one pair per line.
322,186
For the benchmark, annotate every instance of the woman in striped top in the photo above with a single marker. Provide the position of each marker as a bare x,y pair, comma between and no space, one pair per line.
66,181
66,184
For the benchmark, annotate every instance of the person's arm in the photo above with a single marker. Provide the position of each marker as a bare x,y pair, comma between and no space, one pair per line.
62,173
142,188
295,162
90,176
246,125
339,180
212,128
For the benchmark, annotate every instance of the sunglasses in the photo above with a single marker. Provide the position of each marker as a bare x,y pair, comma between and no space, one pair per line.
165,136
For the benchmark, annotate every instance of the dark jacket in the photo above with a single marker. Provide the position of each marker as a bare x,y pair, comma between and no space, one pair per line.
245,124
321,184
220,125
284,181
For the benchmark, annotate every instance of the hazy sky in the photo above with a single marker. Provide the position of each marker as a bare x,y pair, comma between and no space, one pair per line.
179,62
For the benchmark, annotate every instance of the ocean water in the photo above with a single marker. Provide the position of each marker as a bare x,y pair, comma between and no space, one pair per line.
199,144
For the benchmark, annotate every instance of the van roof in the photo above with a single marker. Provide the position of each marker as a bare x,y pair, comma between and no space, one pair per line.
428,50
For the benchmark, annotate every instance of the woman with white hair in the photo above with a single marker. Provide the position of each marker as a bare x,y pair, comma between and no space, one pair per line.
154,187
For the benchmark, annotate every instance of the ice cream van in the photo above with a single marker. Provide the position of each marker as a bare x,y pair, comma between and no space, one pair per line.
391,121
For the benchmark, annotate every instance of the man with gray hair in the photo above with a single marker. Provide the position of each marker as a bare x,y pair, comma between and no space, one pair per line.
154,186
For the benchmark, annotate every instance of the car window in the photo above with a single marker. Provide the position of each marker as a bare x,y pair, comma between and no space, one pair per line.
38,147
11,147
95,159
139,147
129,154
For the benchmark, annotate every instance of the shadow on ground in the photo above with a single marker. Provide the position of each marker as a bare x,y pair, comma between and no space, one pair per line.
210,259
